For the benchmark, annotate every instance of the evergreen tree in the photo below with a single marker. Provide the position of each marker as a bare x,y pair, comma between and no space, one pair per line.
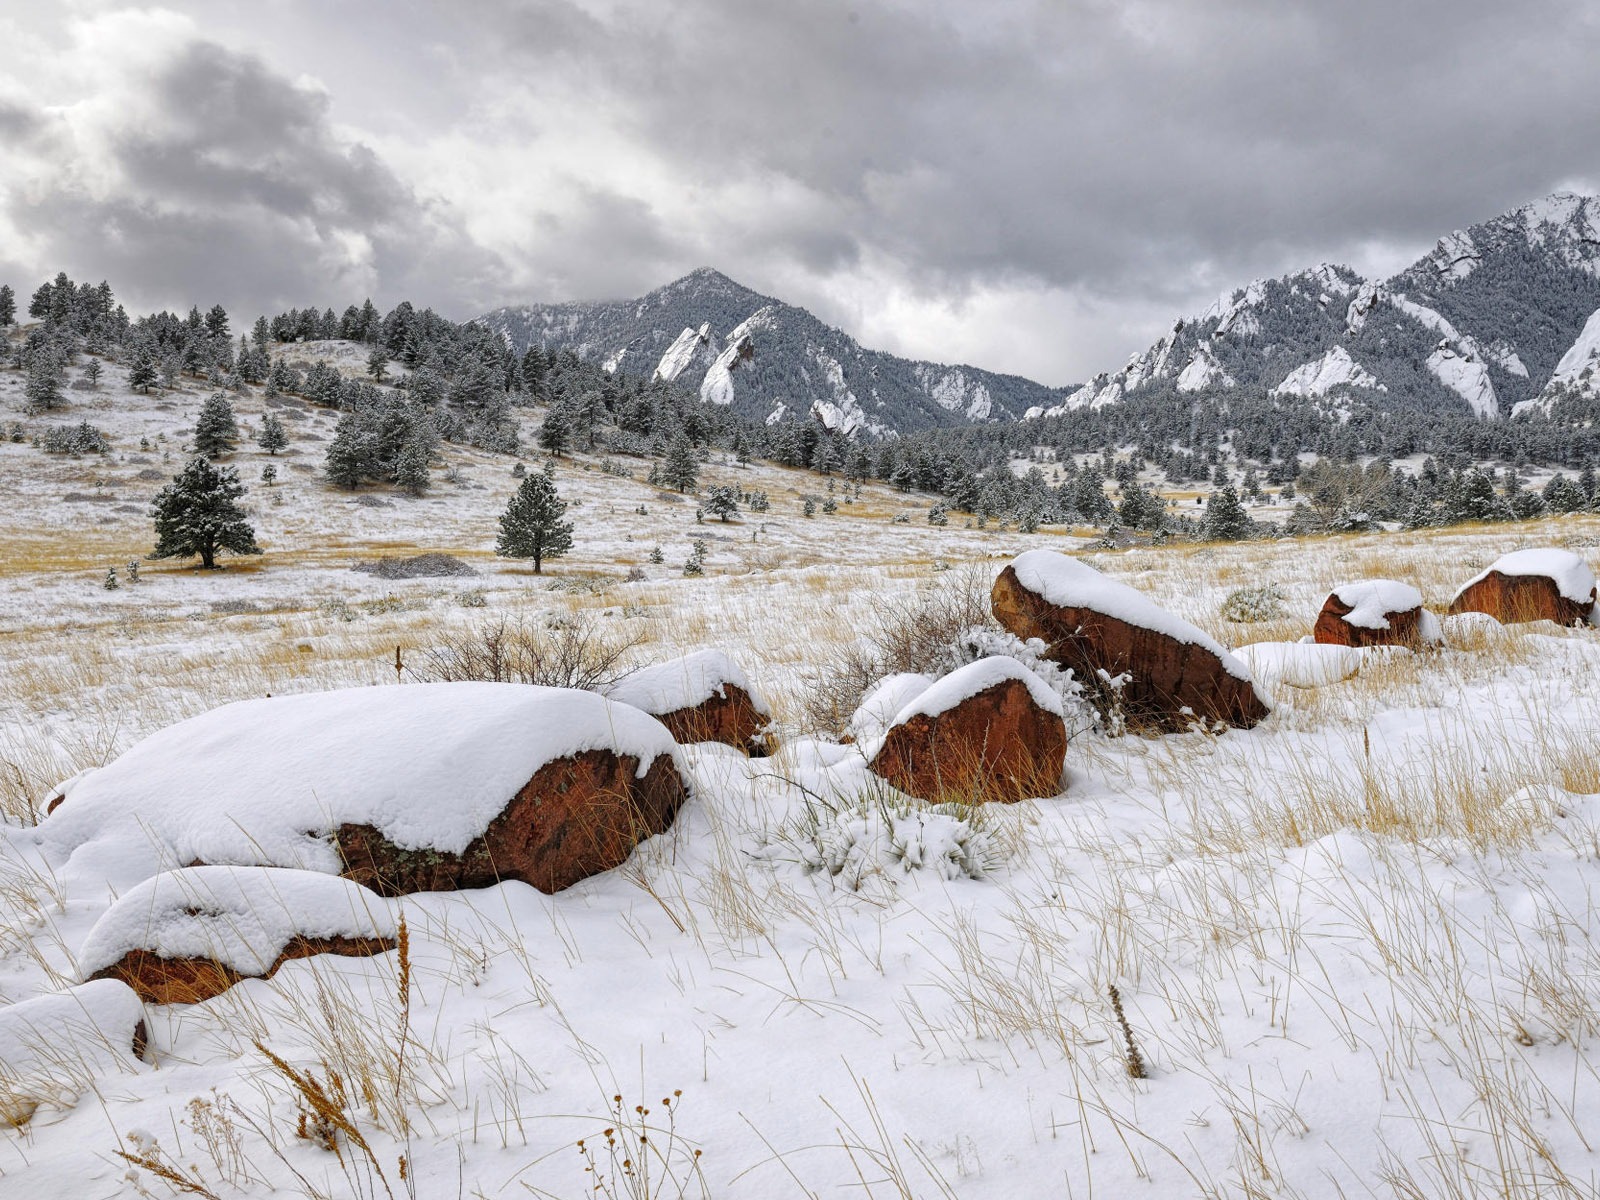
349,454
411,467
532,526
8,305
1225,519
378,365
215,432
273,436
43,388
556,432
680,470
1473,499
142,371
92,371
196,514
722,501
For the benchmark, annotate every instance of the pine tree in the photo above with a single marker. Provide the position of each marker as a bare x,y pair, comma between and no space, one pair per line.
43,388
196,514
556,432
680,470
722,501
215,432
8,305
92,371
1225,519
411,467
273,436
142,371
532,526
349,457
378,365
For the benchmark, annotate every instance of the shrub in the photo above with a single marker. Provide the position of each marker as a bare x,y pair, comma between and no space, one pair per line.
565,651
1250,605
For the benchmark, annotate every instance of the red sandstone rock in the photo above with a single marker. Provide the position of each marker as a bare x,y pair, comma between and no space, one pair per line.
997,744
1375,612
1513,599
702,697
159,980
1176,673
576,817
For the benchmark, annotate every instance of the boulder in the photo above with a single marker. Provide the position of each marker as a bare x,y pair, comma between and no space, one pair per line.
1299,664
989,731
1153,669
414,787
53,1048
1531,585
701,697
191,934
1375,612
882,703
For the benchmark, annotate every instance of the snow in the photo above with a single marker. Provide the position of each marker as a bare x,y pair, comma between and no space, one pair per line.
1370,599
682,352
1069,583
1204,371
1582,354
1363,302
685,683
240,917
56,1045
263,781
1299,664
1572,576
1455,257
1334,369
883,702
1465,376
1231,306
951,390
965,682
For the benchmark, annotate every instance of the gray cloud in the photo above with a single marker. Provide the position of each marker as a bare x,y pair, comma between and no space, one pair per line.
1109,164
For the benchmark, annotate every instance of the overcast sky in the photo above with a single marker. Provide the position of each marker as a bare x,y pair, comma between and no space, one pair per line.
1032,187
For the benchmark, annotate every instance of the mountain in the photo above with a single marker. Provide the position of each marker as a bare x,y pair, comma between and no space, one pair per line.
1485,324
768,359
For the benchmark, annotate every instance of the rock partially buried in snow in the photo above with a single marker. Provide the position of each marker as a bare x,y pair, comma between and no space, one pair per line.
1300,664
1103,630
701,697
1376,612
54,1047
989,731
191,934
883,703
420,787
1531,585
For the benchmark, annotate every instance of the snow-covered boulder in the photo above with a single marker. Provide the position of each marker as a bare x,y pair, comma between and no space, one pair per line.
1300,664
1375,612
191,934
424,787
883,703
1531,585
701,697
992,730
1152,667
54,1047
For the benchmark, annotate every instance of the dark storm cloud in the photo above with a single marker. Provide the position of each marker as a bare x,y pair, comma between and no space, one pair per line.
238,189
1101,145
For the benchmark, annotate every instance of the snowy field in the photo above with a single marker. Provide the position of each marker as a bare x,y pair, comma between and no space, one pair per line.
1351,952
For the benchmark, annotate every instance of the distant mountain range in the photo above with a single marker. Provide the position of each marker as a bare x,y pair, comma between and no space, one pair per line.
1497,320
768,359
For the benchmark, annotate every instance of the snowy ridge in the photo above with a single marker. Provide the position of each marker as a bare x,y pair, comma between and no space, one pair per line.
690,345
260,782
241,917
1575,371
1334,369
1068,583
1465,376
1204,371
717,386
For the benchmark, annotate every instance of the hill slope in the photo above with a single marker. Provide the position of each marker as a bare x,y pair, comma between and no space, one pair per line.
768,359
1479,324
